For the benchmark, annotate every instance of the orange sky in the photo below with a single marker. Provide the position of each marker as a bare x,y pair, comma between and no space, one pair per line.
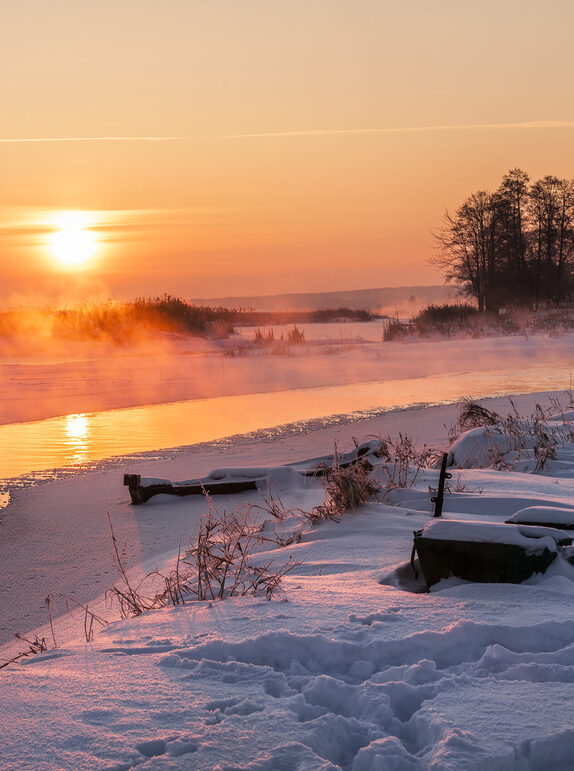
306,145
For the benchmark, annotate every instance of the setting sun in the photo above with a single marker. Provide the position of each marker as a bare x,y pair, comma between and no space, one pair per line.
72,244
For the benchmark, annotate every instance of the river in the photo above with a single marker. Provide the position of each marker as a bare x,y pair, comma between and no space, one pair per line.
74,441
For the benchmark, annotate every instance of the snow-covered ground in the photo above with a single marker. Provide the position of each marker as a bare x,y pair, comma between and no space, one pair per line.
343,669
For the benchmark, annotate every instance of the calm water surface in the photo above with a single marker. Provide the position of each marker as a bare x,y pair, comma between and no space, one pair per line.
75,440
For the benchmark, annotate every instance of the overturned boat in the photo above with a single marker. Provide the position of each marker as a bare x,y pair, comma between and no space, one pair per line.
237,480
487,552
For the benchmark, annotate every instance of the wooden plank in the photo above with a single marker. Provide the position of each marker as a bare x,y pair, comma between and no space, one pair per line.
142,493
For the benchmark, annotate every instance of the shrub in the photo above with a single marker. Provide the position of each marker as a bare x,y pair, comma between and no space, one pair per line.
448,318
295,336
403,461
346,488
394,328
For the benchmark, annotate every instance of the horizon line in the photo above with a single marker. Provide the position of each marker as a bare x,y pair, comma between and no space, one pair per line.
549,124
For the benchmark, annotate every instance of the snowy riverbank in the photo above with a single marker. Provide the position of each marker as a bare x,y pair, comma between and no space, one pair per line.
344,670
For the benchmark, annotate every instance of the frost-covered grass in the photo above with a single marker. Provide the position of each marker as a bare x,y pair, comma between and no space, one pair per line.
483,438
345,670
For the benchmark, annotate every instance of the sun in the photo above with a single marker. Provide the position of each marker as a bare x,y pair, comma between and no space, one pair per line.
72,244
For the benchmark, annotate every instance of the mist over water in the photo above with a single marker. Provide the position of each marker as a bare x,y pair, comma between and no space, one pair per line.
94,402
107,377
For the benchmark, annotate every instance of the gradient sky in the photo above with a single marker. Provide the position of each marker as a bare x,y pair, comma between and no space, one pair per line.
262,146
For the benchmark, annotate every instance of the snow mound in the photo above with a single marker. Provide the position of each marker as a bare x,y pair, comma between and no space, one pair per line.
554,516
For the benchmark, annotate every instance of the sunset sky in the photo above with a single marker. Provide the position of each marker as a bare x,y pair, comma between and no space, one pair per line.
259,146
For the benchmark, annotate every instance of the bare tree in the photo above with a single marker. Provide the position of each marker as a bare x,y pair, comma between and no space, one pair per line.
467,252
552,238
515,246
511,201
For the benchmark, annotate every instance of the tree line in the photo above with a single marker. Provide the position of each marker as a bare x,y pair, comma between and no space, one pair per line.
514,246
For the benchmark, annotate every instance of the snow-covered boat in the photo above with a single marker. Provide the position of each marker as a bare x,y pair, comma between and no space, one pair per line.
487,552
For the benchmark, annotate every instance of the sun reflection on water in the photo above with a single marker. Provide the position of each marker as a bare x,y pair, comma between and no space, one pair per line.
77,430
79,439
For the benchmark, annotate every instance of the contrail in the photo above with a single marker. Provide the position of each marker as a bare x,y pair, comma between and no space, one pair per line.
541,124
36,140
410,129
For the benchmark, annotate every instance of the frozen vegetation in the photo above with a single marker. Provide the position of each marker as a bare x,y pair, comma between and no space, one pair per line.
347,664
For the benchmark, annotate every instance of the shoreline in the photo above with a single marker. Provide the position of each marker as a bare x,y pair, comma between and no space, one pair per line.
55,535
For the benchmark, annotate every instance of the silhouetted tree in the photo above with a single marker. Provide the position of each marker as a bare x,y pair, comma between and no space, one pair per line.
515,246
551,247
511,201
467,252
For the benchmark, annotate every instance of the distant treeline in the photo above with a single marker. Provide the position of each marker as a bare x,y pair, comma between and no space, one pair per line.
514,246
126,321
267,318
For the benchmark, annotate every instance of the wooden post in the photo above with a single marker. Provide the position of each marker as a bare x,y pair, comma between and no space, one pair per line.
439,497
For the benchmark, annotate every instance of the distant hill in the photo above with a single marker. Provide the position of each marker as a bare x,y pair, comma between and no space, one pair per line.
407,300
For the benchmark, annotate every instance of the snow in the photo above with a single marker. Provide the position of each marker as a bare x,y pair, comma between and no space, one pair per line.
551,515
344,669
309,466
532,539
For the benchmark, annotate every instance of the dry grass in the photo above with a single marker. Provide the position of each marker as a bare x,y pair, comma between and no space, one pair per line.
528,437
472,415
404,462
463,320
220,563
222,559
346,488
35,646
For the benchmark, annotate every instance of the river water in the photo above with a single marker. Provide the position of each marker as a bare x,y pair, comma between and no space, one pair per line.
74,441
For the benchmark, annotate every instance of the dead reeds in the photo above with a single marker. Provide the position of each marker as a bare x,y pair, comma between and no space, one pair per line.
346,487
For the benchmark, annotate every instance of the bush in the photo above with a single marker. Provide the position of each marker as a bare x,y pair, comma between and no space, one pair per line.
394,328
346,487
444,319
295,336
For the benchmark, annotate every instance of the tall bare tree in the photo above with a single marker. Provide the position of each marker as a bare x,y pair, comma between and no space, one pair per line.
552,238
466,244
511,201
515,246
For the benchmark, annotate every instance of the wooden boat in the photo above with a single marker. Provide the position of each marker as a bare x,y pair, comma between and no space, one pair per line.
226,481
486,552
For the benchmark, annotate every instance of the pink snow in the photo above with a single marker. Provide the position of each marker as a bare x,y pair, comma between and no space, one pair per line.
344,670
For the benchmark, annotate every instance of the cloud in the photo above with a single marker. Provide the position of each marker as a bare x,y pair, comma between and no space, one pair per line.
541,124
38,140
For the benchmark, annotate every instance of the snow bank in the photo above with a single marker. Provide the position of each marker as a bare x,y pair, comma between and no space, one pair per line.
554,516
346,670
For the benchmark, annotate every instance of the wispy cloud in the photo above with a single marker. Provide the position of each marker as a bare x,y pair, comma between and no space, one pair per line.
36,222
544,124
540,124
38,140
